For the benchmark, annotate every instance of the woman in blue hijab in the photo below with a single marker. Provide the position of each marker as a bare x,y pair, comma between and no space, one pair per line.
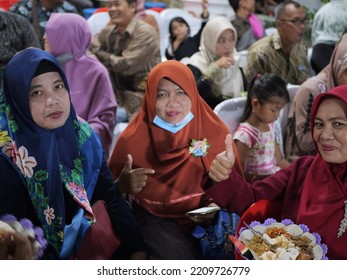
52,165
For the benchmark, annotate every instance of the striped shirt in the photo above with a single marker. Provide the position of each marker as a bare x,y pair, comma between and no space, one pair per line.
261,158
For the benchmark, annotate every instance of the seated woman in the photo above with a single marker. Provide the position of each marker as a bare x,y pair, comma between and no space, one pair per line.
313,189
215,68
167,148
298,138
68,37
182,45
52,163
248,26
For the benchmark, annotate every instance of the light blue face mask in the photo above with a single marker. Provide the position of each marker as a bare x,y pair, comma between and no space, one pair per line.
173,127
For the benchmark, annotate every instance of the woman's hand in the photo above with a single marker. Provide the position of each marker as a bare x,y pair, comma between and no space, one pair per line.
204,4
225,62
178,40
205,220
223,163
132,180
15,246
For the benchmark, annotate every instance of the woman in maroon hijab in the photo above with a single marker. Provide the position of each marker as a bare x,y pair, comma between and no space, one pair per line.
313,189
169,147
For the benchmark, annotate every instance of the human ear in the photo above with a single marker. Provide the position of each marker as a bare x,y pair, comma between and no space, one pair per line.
255,103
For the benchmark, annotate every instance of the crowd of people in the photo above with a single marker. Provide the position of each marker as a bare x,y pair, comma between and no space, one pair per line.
63,91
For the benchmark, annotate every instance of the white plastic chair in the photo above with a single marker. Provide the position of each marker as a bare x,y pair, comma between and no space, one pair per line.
98,21
309,55
270,30
230,111
162,31
283,118
166,16
117,131
155,14
242,58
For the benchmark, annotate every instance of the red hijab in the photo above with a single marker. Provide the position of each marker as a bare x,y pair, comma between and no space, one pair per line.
175,188
324,192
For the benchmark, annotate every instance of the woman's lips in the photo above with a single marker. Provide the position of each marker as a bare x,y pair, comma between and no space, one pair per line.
328,148
172,114
55,115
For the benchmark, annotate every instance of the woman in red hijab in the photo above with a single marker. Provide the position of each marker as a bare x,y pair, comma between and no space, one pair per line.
168,148
313,189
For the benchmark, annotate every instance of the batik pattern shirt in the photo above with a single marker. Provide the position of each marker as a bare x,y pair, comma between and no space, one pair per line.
267,56
16,34
25,7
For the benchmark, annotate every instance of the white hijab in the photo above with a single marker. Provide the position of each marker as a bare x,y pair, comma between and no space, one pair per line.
229,82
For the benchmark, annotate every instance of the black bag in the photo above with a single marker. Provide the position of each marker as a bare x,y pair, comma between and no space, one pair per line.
214,239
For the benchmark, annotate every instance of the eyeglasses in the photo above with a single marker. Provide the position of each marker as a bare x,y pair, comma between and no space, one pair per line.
296,22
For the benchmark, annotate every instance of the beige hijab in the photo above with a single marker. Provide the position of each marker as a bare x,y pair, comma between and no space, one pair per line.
326,79
228,82
299,141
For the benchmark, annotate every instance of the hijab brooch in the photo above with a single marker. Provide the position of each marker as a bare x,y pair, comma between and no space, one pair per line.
343,224
198,148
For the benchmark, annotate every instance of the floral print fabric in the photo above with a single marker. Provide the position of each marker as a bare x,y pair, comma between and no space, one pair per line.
50,162
261,159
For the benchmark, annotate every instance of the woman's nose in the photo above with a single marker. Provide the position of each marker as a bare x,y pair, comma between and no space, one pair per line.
327,132
172,97
51,100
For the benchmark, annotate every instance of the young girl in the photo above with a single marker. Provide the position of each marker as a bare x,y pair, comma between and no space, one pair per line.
182,45
255,139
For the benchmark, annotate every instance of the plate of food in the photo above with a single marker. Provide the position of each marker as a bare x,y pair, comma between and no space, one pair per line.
273,240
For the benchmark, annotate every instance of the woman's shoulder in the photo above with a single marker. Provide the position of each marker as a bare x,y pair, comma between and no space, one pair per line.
303,163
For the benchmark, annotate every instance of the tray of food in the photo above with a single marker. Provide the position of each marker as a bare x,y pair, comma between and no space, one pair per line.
284,240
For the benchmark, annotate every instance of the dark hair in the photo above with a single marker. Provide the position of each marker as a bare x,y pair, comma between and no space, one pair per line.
45,66
131,1
179,20
280,8
263,87
235,4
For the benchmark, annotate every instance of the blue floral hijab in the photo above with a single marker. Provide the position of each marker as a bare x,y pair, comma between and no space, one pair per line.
49,160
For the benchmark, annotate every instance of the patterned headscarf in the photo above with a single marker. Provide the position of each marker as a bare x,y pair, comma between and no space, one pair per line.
48,160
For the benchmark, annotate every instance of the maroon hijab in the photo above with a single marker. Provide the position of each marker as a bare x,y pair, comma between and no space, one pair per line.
322,203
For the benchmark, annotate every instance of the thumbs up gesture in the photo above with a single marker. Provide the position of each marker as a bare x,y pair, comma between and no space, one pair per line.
223,163
132,180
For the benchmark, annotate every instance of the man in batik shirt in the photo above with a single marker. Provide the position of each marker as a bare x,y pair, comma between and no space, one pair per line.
284,53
